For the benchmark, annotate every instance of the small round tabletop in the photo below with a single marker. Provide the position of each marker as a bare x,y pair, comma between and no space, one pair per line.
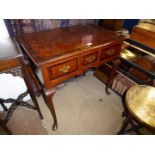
140,101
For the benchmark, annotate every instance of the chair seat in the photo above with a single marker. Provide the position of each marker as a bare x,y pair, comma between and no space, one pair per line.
11,86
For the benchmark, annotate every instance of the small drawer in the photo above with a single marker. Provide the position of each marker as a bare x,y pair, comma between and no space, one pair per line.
105,53
63,68
90,58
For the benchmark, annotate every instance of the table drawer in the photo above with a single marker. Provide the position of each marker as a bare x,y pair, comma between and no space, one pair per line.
89,58
63,68
106,53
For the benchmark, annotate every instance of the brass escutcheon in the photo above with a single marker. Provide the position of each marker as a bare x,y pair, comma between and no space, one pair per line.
90,58
110,52
65,69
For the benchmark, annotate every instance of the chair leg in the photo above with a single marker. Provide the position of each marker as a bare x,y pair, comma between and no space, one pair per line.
136,128
124,126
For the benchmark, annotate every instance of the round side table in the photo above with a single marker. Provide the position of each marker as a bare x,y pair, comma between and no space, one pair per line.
139,110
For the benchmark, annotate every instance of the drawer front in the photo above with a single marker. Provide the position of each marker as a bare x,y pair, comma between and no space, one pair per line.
106,53
63,68
90,58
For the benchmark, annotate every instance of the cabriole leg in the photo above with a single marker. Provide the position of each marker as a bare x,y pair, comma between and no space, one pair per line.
48,95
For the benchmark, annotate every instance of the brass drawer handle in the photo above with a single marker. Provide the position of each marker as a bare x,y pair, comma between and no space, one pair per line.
65,69
110,52
90,58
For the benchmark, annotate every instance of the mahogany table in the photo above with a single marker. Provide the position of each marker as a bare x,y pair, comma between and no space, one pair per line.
62,53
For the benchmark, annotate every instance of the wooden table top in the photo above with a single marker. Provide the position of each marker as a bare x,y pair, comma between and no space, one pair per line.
8,49
45,46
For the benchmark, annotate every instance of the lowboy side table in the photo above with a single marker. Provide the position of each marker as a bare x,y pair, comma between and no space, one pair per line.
62,53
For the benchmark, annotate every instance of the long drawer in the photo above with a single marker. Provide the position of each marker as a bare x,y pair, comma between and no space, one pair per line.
63,68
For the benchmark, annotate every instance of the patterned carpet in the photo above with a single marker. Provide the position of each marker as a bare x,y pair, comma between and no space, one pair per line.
83,108
25,121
